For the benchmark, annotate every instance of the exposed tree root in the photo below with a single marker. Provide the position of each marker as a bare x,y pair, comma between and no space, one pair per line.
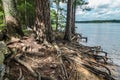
39,76
25,65
62,66
79,37
20,76
100,65
60,60
99,73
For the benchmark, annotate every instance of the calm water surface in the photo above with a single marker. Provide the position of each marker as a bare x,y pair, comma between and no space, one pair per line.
106,35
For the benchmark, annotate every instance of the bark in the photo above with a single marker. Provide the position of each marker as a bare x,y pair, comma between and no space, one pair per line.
69,21
57,14
42,26
73,17
13,28
26,17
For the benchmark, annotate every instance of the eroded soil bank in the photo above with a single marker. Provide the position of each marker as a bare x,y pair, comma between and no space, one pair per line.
60,60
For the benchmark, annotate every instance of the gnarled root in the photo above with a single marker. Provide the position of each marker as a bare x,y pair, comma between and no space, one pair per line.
21,77
98,72
25,65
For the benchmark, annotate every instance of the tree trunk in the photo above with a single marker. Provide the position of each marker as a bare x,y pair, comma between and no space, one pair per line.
73,17
57,14
13,28
26,17
69,21
42,26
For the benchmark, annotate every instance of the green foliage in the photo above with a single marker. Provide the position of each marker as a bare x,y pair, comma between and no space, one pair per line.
79,2
1,17
53,16
1,13
26,8
29,6
22,6
57,15
61,19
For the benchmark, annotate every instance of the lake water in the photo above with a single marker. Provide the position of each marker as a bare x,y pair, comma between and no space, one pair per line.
106,35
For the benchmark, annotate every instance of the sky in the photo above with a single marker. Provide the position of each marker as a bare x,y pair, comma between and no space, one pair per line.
100,10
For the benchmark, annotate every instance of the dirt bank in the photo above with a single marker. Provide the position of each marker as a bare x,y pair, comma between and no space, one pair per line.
60,60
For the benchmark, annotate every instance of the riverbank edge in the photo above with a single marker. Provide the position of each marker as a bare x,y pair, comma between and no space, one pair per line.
83,54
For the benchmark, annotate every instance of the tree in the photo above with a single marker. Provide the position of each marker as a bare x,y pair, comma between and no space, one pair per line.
57,12
59,16
67,35
73,16
26,12
1,15
42,26
74,6
13,28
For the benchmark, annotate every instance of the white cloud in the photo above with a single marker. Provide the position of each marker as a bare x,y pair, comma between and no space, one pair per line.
101,9
97,3
104,3
115,3
113,12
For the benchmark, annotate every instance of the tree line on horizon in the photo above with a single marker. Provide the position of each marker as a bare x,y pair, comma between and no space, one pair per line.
99,21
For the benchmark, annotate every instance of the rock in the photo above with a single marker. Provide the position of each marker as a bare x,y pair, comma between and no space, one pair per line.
2,71
1,35
3,50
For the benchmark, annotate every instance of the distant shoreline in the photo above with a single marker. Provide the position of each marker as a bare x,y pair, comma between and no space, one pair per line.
99,21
